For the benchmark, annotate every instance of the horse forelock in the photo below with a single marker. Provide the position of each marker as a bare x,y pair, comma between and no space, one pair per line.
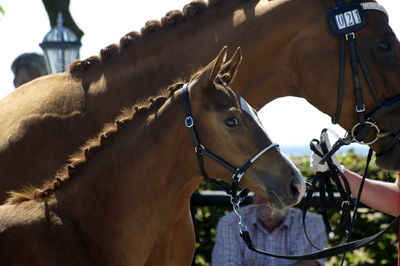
132,39
78,160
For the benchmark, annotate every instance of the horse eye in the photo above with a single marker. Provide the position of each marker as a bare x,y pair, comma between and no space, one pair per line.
231,122
385,45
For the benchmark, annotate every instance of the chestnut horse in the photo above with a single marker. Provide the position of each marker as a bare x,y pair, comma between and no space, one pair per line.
51,116
110,204
287,53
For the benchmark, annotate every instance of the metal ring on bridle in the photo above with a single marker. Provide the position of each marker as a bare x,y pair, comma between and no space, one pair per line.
372,125
199,149
237,176
189,122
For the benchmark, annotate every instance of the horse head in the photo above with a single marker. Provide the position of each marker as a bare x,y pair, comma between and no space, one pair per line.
381,49
228,128
363,57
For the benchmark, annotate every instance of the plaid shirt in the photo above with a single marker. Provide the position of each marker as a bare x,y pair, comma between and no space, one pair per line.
288,239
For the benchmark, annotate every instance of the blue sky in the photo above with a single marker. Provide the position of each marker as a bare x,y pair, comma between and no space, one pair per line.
25,24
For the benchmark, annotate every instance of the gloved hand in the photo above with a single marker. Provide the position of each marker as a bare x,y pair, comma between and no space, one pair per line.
315,159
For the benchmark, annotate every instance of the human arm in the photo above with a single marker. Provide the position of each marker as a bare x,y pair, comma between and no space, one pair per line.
380,195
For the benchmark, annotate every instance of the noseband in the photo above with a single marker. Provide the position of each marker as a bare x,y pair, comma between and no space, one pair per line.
201,150
345,20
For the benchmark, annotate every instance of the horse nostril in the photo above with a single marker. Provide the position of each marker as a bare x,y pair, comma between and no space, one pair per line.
295,189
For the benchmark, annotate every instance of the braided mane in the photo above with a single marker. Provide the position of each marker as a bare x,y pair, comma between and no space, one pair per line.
134,38
92,146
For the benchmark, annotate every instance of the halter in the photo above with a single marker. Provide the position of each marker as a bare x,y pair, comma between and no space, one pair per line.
201,151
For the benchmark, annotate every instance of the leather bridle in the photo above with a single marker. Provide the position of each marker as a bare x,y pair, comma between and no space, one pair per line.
345,20
201,151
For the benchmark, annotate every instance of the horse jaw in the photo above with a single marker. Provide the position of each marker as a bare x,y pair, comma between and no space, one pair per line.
389,160
280,194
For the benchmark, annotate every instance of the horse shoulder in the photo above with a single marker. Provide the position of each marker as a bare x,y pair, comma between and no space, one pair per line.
31,234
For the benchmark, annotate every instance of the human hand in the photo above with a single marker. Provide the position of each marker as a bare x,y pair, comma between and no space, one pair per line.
315,158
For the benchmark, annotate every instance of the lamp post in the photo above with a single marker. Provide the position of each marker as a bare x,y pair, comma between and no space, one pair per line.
60,47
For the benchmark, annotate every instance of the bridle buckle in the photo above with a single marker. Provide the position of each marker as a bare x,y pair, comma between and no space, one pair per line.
350,35
237,176
199,149
360,109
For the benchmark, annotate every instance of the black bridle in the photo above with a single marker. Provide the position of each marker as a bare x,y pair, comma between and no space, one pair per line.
345,20
201,151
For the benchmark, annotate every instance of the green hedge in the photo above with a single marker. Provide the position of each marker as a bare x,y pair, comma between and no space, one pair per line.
369,221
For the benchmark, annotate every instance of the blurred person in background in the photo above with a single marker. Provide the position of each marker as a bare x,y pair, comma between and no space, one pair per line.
27,67
273,230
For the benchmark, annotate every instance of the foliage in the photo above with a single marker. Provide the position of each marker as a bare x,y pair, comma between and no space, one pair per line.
53,7
381,252
1,10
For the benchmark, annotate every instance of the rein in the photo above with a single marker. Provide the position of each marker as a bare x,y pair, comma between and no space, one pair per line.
346,218
202,151
345,20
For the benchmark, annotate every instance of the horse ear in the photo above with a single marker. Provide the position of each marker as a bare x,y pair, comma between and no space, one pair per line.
229,69
211,71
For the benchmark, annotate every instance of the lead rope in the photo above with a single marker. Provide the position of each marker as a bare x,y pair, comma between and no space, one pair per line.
324,179
323,183
355,210
334,251
345,218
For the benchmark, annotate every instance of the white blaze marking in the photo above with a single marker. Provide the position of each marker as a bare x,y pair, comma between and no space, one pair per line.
248,109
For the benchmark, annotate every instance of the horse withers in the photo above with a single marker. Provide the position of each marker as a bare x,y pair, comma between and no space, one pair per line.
110,204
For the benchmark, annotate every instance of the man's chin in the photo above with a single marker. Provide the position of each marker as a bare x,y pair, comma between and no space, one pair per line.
267,213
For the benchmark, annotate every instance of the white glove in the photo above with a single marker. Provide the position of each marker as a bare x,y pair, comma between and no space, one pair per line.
315,159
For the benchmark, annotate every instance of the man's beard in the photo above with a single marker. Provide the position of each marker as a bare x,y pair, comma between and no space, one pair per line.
266,213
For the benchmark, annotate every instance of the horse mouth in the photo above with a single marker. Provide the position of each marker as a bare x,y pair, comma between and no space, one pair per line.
389,160
276,202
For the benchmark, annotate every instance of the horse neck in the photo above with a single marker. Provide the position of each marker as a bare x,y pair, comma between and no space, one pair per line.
178,51
133,183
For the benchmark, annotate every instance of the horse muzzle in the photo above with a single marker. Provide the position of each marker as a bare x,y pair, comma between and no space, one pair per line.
389,158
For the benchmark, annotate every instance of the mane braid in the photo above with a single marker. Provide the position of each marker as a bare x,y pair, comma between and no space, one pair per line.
91,147
132,39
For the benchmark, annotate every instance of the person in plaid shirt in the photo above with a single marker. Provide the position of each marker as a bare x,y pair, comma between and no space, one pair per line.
276,231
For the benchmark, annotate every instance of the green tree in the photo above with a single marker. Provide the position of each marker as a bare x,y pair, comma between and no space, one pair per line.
53,7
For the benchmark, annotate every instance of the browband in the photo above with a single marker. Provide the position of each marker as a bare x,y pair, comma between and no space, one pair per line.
375,6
